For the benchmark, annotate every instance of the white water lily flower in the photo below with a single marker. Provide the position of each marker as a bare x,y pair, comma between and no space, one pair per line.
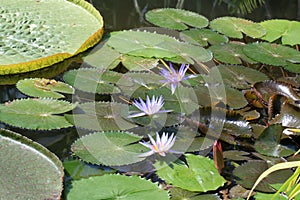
161,146
150,107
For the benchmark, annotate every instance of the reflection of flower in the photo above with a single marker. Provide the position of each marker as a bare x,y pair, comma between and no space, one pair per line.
173,76
149,107
161,145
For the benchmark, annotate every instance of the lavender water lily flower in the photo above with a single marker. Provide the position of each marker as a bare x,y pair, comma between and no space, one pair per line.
150,107
161,146
173,77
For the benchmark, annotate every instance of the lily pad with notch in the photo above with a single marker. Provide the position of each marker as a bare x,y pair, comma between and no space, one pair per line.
28,169
40,114
235,27
176,19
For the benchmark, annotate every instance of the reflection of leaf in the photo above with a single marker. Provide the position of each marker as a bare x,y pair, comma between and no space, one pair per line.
268,142
176,18
28,170
36,113
109,148
287,30
116,187
199,174
203,37
248,173
230,53
40,87
235,27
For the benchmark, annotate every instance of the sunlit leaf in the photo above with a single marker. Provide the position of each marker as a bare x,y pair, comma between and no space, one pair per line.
289,116
176,18
116,187
43,114
235,27
199,175
28,170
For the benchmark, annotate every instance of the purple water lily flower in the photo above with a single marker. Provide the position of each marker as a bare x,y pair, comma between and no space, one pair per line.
161,146
173,76
150,107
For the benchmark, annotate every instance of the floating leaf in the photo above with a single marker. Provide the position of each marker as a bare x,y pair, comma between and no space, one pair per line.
134,63
116,187
235,27
109,148
150,45
268,142
100,116
35,37
272,54
199,174
264,196
40,87
180,194
39,114
236,155
176,18
28,170
248,173
93,80
230,53
203,37
287,30
289,116
237,76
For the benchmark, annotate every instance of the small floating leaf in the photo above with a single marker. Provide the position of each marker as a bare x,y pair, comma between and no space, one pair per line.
36,34
235,27
176,18
268,142
116,187
39,114
203,37
40,87
93,80
28,170
199,174
109,148
100,116
230,53
287,30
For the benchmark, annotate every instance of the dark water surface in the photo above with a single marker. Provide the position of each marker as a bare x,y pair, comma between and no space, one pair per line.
127,14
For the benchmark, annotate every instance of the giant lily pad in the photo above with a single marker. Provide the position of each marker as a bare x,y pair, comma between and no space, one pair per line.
235,27
40,114
36,34
28,170
109,148
281,28
116,187
199,174
176,18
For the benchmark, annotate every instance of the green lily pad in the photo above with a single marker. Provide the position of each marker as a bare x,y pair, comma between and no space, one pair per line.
203,37
235,27
199,174
180,194
28,170
40,87
230,53
109,148
151,45
42,114
272,54
100,116
116,187
287,30
237,76
93,80
176,19
37,34
248,173
268,143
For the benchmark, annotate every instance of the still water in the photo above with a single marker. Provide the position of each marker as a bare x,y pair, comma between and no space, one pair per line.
127,14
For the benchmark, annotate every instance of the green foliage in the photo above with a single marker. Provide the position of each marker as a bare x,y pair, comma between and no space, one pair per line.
28,169
116,187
